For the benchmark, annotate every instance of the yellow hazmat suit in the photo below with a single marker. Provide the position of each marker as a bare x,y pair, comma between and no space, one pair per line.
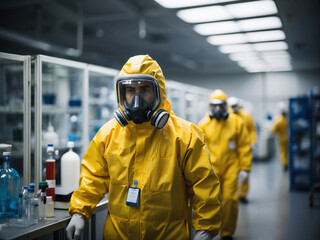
280,127
251,127
230,150
171,165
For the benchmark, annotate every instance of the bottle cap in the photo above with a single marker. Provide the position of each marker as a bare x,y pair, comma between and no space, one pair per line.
50,148
6,154
31,190
43,185
5,146
70,144
25,187
32,185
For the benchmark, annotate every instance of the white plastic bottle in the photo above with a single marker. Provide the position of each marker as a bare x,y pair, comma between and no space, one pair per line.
70,168
50,136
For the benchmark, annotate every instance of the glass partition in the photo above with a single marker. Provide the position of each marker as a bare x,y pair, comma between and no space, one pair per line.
60,108
102,97
15,120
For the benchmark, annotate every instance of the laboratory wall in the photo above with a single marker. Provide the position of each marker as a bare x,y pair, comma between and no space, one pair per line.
261,91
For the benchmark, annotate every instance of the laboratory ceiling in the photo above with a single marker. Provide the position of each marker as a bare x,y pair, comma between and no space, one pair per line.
108,32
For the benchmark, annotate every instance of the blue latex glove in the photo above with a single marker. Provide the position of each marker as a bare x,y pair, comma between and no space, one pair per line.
75,226
202,235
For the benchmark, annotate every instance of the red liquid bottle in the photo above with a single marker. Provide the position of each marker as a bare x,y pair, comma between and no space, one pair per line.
51,172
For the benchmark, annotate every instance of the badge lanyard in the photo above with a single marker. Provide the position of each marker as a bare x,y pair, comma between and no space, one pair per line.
133,195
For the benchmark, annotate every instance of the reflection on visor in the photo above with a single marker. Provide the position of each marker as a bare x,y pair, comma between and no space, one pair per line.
217,101
146,86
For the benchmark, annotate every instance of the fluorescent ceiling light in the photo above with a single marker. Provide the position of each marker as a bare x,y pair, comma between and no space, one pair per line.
243,56
259,23
282,54
277,59
266,36
270,46
237,26
235,48
252,64
257,68
279,63
216,28
252,9
188,3
204,14
227,39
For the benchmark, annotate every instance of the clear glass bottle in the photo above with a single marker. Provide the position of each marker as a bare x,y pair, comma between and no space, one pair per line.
49,207
24,198
32,213
42,201
9,189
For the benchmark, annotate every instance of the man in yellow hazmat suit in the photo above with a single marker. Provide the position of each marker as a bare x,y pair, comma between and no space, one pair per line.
228,142
151,163
280,127
237,109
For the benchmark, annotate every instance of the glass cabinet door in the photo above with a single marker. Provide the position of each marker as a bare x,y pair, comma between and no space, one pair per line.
60,107
189,98
175,94
202,106
102,97
15,94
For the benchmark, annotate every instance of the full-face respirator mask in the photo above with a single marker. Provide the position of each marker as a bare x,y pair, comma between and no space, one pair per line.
138,97
218,109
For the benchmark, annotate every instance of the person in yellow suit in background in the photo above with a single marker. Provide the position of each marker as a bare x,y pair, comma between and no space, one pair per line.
280,127
237,109
228,142
151,163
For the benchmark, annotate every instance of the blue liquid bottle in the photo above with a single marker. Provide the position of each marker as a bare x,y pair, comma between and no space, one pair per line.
9,189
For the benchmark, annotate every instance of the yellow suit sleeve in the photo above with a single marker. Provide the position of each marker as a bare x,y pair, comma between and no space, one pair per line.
203,185
252,129
243,147
94,180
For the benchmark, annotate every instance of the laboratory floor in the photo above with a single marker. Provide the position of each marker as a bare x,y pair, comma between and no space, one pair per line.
274,212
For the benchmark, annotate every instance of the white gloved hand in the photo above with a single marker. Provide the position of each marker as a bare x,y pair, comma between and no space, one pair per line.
243,175
75,226
202,235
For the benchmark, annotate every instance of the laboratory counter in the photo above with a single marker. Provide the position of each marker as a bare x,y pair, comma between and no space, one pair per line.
54,225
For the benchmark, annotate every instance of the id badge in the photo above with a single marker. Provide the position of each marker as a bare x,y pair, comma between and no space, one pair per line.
232,145
133,196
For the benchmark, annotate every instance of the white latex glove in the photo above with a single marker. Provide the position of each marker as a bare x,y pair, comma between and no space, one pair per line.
75,226
243,175
202,235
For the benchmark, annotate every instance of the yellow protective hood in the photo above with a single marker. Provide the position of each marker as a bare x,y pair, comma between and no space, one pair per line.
144,64
218,94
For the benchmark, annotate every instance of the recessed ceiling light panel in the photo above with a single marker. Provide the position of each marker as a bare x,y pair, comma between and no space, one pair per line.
227,39
264,36
216,28
252,9
188,3
259,23
204,14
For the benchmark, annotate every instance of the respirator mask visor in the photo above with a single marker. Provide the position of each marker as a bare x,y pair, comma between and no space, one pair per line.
218,109
138,96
